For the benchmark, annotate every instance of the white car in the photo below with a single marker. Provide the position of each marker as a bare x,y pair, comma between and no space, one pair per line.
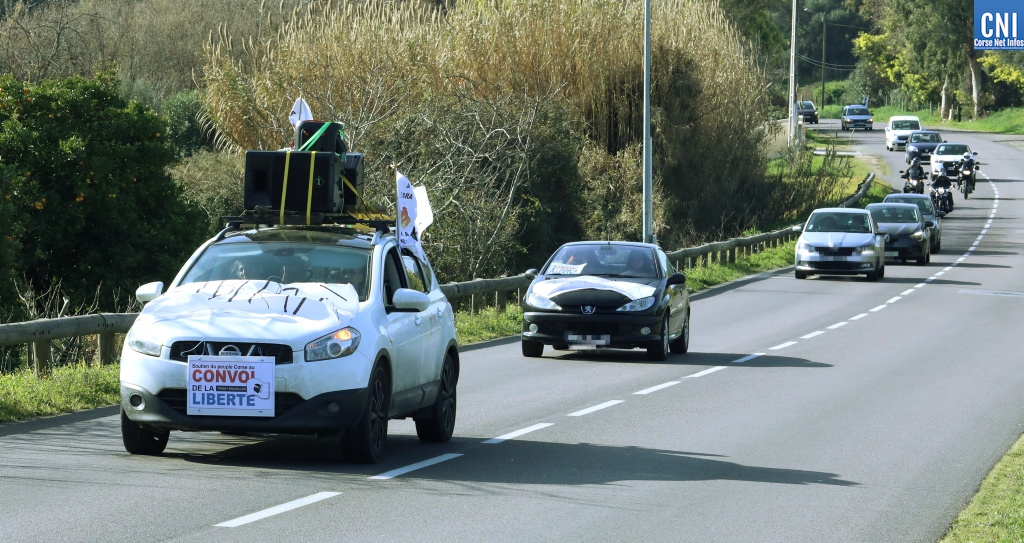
948,153
298,330
898,129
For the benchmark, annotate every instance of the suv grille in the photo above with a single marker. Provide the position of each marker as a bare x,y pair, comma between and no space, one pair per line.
180,350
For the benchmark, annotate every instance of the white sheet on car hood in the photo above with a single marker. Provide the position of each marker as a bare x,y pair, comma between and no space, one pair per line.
311,306
554,287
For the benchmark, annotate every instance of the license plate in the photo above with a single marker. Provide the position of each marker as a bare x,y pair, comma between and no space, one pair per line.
587,339
892,253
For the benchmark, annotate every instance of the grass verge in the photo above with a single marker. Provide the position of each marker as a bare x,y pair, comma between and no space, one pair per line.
68,389
996,513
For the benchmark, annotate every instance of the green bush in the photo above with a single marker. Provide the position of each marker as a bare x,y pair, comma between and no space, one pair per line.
92,204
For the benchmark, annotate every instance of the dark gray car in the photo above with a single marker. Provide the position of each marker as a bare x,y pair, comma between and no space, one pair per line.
921,144
808,111
928,213
908,232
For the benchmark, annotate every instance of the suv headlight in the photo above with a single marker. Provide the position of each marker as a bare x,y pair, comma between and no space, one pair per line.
336,345
638,305
140,345
541,302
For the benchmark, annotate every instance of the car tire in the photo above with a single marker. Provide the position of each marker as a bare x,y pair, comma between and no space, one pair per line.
922,260
533,349
872,275
139,439
440,426
938,246
799,274
365,442
682,343
881,271
659,351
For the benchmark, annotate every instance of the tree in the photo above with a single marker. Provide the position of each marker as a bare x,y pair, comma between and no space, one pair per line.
85,173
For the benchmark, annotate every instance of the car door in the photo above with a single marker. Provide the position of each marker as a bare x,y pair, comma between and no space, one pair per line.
432,350
678,296
406,330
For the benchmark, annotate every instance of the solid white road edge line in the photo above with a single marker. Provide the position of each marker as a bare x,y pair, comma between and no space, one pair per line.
782,346
813,334
517,433
276,510
597,407
413,467
656,388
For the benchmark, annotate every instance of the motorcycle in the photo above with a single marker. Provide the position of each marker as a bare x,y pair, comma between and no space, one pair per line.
942,194
965,179
915,180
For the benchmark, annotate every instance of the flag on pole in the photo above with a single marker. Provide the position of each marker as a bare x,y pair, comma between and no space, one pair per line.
300,112
414,215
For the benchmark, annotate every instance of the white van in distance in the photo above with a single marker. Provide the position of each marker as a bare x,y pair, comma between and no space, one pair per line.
898,130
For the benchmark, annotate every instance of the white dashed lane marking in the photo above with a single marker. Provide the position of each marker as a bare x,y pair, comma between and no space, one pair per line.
782,345
597,407
517,433
413,467
705,372
747,358
276,510
858,317
877,308
908,291
837,325
813,334
656,388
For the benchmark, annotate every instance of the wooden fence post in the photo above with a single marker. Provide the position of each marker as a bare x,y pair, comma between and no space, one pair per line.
41,356
107,354
500,298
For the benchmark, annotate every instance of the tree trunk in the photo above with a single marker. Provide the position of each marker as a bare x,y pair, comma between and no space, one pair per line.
944,107
974,86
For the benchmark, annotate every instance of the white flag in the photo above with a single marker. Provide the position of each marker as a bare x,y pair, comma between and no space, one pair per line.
300,112
409,221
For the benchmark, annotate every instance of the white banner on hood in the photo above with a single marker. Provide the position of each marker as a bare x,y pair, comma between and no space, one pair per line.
414,215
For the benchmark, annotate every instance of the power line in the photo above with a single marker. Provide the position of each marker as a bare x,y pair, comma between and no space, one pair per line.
828,65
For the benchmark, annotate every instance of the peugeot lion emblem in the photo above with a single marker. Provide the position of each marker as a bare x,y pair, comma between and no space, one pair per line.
230,350
589,309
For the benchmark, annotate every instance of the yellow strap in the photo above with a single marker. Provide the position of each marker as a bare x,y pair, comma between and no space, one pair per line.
349,185
309,195
284,187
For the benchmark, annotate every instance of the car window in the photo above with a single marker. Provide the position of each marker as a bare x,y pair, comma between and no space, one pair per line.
931,138
953,149
603,259
414,273
923,204
837,221
857,111
393,277
285,262
906,125
895,214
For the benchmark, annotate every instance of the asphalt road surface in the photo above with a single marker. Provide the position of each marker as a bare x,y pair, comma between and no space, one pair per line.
828,409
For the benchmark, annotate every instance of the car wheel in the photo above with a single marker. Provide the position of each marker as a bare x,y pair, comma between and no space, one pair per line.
441,424
682,343
659,351
532,349
873,275
799,274
938,246
139,439
365,442
881,271
922,260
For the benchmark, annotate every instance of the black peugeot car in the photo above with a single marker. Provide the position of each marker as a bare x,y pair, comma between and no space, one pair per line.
921,144
607,294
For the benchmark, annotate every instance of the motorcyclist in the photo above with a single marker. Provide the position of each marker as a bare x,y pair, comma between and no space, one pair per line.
967,164
914,173
945,201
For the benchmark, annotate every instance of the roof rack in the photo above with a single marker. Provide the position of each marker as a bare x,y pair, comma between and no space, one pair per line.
376,218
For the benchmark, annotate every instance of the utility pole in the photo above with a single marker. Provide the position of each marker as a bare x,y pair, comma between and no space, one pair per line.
792,80
648,230
822,62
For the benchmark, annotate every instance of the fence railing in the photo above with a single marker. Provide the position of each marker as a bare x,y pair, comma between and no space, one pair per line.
39,333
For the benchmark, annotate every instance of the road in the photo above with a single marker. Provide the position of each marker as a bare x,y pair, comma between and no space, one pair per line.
828,409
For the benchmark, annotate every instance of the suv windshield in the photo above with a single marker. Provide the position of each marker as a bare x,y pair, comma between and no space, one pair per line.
284,262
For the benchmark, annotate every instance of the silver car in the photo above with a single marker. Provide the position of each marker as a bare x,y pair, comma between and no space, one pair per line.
840,241
855,116
928,214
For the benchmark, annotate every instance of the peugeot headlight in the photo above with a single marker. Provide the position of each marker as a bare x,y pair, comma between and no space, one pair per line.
541,302
335,345
140,345
638,305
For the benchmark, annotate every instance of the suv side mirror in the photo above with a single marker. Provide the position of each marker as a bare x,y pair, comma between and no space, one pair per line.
940,213
149,291
531,274
407,299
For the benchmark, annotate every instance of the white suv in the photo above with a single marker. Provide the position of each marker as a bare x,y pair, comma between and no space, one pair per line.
294,330
898,129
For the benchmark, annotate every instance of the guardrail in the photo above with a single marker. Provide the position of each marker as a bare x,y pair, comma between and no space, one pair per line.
39,333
